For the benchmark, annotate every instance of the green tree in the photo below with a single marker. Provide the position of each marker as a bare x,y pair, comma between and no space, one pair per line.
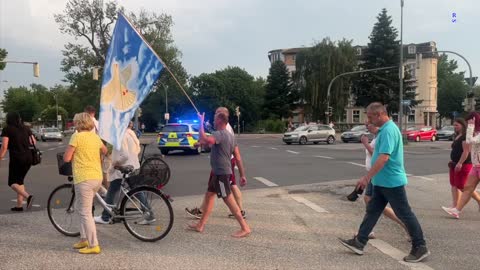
90,22
315,68
3,55
49,114
279,94
452,87
382,86
21,100
229,87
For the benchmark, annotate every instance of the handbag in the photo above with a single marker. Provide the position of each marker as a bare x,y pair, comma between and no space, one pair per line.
36,154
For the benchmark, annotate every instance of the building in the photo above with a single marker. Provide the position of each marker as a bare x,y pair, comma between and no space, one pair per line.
420,60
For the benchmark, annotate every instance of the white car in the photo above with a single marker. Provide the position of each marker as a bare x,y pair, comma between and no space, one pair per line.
50,134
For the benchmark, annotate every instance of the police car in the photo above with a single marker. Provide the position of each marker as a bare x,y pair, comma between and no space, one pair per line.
182,135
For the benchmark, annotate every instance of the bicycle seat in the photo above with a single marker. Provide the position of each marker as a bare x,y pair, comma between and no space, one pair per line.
125,169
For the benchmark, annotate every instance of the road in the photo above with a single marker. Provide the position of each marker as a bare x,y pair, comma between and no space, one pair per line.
265,157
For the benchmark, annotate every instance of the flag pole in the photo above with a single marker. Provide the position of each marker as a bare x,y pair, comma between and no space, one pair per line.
160,59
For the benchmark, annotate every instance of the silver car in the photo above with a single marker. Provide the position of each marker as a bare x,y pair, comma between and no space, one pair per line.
47,134
311,133
355,134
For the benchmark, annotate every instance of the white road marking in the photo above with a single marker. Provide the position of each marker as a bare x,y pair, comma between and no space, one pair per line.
397,255
255,146
24,202
265,181
310,204
357,164
293,152
50,149
423,177
324,157
273,148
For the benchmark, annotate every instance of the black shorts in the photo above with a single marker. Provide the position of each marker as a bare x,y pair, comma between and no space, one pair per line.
220,184
17,170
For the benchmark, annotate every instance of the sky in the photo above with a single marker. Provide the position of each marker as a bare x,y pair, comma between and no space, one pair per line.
214,34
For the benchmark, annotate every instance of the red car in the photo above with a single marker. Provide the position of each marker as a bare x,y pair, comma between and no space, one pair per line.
421,134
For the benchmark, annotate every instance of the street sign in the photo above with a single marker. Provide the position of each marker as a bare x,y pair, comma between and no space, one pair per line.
59,117
474,79
167,116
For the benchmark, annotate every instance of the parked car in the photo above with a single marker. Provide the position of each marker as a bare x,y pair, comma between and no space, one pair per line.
69,131
422,134
355,134
50,134
310,133
446,133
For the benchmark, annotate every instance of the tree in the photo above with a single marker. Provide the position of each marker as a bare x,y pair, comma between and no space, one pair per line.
49,115
315,68
91,21
382,86
3,55
21,100
452,87
229,88
279,96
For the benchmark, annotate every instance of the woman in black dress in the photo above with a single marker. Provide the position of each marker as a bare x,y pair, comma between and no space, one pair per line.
17,139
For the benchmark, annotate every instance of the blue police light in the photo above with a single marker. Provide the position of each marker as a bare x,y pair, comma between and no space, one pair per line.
195,121
180,121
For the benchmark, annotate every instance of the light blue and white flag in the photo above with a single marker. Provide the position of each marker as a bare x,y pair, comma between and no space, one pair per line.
131,68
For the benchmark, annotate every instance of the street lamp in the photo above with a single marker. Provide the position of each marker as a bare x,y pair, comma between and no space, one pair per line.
400,70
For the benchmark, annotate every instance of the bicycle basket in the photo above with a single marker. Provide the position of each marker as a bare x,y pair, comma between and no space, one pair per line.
153,172
64,168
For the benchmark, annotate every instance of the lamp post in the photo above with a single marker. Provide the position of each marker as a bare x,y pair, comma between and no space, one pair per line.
400,70
56,105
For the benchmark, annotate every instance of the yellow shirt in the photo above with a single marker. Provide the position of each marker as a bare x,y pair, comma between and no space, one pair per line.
86,162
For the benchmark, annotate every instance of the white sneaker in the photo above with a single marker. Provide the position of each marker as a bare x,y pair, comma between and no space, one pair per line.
452,212
99,220
147,222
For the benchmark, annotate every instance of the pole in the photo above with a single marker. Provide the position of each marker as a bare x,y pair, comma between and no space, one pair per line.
166,102
56,104
400,70
349,73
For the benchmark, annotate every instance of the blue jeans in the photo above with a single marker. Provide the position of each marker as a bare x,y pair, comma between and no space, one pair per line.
397,197
111,196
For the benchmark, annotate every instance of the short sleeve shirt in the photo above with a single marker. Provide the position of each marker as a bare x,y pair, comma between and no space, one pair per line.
220,156
18,139
86,163
389,142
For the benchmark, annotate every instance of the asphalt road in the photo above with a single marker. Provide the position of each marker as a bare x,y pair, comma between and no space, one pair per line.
265,157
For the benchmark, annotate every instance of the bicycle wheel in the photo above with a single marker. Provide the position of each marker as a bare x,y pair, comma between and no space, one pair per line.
61,210
156,169
147,213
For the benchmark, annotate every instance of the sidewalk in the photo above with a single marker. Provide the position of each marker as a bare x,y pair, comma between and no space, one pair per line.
293,228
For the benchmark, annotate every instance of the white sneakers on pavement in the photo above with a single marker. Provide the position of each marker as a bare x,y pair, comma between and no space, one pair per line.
99,220
452,212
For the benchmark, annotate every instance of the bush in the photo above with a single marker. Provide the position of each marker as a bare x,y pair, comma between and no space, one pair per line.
272,125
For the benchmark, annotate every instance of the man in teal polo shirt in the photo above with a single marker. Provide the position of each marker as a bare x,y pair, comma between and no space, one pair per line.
389,179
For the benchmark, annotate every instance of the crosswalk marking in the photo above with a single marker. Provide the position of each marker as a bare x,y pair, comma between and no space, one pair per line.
265,181
293,152
310,204
357,164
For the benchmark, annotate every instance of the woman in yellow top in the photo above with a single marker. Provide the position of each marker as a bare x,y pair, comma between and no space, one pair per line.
84,151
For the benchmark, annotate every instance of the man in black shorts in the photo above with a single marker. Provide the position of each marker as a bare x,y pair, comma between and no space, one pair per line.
222,144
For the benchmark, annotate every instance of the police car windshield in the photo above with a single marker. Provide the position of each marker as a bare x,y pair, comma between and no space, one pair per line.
175,128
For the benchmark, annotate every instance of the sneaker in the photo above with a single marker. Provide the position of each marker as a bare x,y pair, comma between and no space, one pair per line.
16,209
90,250
354,245
29,202
81,245
195,212
244,215
417,254
99,220
452,212
147,221
370,235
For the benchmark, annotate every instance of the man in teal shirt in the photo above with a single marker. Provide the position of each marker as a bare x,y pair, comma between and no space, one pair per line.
389,179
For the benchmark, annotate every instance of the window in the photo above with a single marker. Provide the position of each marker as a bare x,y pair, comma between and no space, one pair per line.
356,116
411,116
412,49
313,128
359,51
294,57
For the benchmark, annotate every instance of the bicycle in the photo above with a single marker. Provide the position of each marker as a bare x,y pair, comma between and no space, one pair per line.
142,208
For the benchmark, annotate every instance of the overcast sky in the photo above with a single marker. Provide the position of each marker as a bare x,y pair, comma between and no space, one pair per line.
214,34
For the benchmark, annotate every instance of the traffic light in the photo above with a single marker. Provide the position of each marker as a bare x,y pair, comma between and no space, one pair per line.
36,69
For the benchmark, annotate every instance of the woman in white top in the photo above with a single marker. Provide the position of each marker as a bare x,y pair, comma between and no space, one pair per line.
127,155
